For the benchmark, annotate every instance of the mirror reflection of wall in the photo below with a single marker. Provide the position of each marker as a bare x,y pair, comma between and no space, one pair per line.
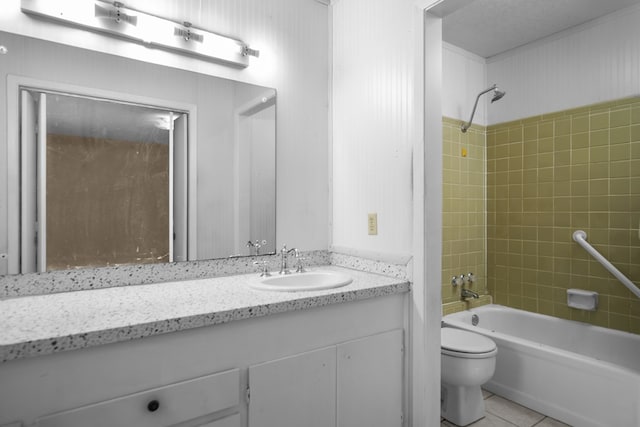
102,192
220,120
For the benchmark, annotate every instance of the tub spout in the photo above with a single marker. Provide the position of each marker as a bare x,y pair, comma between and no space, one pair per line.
467,293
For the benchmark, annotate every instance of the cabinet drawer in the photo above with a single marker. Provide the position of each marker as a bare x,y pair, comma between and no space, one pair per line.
162,406
231,421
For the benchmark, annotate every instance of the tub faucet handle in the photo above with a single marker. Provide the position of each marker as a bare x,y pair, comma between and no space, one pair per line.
470,278
457,281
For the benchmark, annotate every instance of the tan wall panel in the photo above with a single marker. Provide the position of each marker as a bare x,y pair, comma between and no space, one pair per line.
107,202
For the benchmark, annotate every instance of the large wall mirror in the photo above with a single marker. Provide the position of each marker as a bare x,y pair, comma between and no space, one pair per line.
113,161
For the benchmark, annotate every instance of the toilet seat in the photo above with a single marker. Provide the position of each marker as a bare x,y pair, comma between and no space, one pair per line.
465,344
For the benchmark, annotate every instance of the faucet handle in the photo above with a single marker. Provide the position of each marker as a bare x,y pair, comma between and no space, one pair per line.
299,264
457,281
471,278
264,265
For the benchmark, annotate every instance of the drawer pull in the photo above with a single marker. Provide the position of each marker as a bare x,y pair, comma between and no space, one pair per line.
153,405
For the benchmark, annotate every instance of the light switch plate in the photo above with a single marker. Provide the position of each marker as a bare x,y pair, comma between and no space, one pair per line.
372,224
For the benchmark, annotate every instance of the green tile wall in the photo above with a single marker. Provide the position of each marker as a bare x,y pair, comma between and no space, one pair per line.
546,177
464,207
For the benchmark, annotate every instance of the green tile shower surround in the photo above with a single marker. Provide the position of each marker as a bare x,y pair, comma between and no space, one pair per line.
547,176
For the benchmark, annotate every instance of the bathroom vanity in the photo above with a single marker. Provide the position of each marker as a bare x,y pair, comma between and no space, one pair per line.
210,352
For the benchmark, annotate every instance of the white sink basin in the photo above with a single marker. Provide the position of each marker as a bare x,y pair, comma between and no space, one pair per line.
308,281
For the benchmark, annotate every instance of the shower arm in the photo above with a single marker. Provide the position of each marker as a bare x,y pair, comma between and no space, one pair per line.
467,125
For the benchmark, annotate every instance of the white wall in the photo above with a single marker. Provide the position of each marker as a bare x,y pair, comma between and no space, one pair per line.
595,62
464,76
292,37
372,98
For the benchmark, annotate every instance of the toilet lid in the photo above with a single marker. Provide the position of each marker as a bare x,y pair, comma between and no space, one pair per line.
465,342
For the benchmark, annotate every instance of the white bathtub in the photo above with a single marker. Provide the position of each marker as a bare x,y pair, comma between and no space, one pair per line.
580,374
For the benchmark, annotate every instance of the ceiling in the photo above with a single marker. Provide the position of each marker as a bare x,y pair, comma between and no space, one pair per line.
490,27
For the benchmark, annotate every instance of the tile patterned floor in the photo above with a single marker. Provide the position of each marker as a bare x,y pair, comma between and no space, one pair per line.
500,412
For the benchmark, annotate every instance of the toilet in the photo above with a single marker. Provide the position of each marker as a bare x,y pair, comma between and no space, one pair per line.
468,360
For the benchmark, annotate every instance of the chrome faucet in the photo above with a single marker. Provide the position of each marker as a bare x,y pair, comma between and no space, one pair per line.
284,252
257,245
299,265
468,293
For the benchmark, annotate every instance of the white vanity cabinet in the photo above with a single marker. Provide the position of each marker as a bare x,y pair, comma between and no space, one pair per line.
334,365
352,384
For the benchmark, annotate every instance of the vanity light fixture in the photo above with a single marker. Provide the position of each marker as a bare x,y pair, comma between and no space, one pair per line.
187,34
115,19
115,13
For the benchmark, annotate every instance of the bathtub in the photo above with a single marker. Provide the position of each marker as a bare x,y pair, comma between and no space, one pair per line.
580,374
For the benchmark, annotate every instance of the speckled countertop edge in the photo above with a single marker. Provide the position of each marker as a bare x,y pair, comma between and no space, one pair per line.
45,324
19,285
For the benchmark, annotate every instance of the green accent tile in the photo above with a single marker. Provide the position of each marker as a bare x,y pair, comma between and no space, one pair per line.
580,172
634,133
545,174
599,170
515,134
531,162
515,163
598,138
579,220
579,188
562,173
545,160
562,143
599,219
502,137
619,152
580,156
545,145
599,121
580,123
620,220
563,126
620,135
620,169
619,203
599,154
620,117
561,204
599,201
579,204
635,150
580,140
545,204
530,132
545,129
530,147
562,190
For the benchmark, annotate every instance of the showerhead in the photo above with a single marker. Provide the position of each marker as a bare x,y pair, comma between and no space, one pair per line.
497,94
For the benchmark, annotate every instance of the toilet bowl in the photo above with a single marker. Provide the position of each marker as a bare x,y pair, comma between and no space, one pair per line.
468,360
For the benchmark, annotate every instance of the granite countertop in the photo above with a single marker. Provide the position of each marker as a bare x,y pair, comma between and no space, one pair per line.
44,324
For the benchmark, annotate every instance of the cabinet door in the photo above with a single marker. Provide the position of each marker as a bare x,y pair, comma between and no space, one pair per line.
295,391
370,381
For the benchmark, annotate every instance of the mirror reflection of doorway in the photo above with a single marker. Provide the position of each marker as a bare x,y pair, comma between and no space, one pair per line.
98,182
